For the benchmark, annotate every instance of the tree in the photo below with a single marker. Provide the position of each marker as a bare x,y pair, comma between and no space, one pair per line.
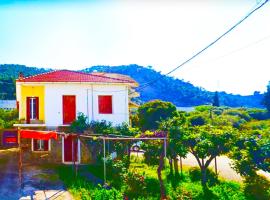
154,155
266,98
152,113
216,100
175,127
207,141
252,149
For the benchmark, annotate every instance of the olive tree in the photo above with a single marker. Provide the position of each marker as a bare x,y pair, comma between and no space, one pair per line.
152,113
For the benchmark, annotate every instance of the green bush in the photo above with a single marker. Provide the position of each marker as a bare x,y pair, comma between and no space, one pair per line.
187,191
135,185
198,120
195,175
228,190
152,187
257,188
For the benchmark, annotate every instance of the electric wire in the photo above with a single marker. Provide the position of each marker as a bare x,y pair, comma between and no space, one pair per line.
144,85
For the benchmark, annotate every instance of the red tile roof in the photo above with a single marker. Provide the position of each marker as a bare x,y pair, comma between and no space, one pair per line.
74,76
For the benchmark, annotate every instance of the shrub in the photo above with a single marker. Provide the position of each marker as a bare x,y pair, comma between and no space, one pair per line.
152,186
259,114
198,120
257,188
195,175
187,191
135,184
228,190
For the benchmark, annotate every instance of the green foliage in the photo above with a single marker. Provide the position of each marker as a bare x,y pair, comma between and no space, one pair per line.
8,118
266,98
257,188
252,149
85,190
198,119
79,125
152,113
195,175
228,190
135,184
259,114
8,75
203,108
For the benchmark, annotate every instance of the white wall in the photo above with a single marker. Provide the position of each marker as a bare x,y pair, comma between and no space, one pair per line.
85,93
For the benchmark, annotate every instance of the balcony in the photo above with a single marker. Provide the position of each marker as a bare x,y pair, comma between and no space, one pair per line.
33,123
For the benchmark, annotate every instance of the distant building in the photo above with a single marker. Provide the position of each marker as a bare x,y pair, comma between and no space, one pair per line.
8,104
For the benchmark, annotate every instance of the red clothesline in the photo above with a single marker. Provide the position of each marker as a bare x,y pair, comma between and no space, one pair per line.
40,135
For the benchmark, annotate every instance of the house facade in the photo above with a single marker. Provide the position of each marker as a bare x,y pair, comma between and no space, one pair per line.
53,100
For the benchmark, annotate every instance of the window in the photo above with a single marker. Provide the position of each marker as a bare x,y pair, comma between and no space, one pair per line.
105,104
40,145
32,108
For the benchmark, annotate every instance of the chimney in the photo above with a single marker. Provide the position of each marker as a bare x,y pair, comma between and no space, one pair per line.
21,76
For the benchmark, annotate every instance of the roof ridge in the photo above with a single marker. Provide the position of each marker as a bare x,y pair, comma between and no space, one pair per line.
110,77
99,75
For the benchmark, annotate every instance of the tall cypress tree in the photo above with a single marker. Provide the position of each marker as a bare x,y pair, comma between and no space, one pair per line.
266,98
216,100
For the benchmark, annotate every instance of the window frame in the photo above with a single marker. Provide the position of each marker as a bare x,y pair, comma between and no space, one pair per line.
41,150
105,113
33,107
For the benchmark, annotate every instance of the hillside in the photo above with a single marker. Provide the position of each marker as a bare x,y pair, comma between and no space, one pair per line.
166,88
179,92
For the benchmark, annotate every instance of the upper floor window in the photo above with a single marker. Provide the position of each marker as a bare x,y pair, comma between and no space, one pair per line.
105,104
32,108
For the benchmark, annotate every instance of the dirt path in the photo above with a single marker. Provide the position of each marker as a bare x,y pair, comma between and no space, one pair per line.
37,183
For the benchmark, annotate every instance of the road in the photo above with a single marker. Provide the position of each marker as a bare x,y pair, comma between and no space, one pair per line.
36,183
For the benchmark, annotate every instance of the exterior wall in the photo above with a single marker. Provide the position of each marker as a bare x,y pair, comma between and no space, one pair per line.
24,91
86,102
55,155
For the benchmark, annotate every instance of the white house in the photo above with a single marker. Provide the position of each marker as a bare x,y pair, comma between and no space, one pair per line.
55,98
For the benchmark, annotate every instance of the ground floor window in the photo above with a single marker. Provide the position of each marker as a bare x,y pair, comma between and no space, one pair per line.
40,145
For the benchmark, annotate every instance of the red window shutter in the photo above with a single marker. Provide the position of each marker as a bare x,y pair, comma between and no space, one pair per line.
37,107
35,143
28,109
105,104
46,145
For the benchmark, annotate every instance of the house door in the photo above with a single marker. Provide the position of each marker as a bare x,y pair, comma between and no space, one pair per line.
69,109
69,154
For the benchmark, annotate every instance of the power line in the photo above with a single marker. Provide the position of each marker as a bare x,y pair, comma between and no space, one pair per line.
202,50
208,46
238,49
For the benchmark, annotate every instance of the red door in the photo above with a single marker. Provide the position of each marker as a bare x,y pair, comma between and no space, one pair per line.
69,109
68,149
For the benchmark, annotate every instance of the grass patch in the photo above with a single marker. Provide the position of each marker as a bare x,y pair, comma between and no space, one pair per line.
177,187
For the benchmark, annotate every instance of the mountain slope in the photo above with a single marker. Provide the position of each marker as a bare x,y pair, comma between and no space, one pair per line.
175,90
8,75
166,88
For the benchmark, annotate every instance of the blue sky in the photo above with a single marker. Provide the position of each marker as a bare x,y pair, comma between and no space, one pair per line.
77,34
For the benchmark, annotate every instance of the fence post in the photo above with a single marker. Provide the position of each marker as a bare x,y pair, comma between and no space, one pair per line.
104,161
